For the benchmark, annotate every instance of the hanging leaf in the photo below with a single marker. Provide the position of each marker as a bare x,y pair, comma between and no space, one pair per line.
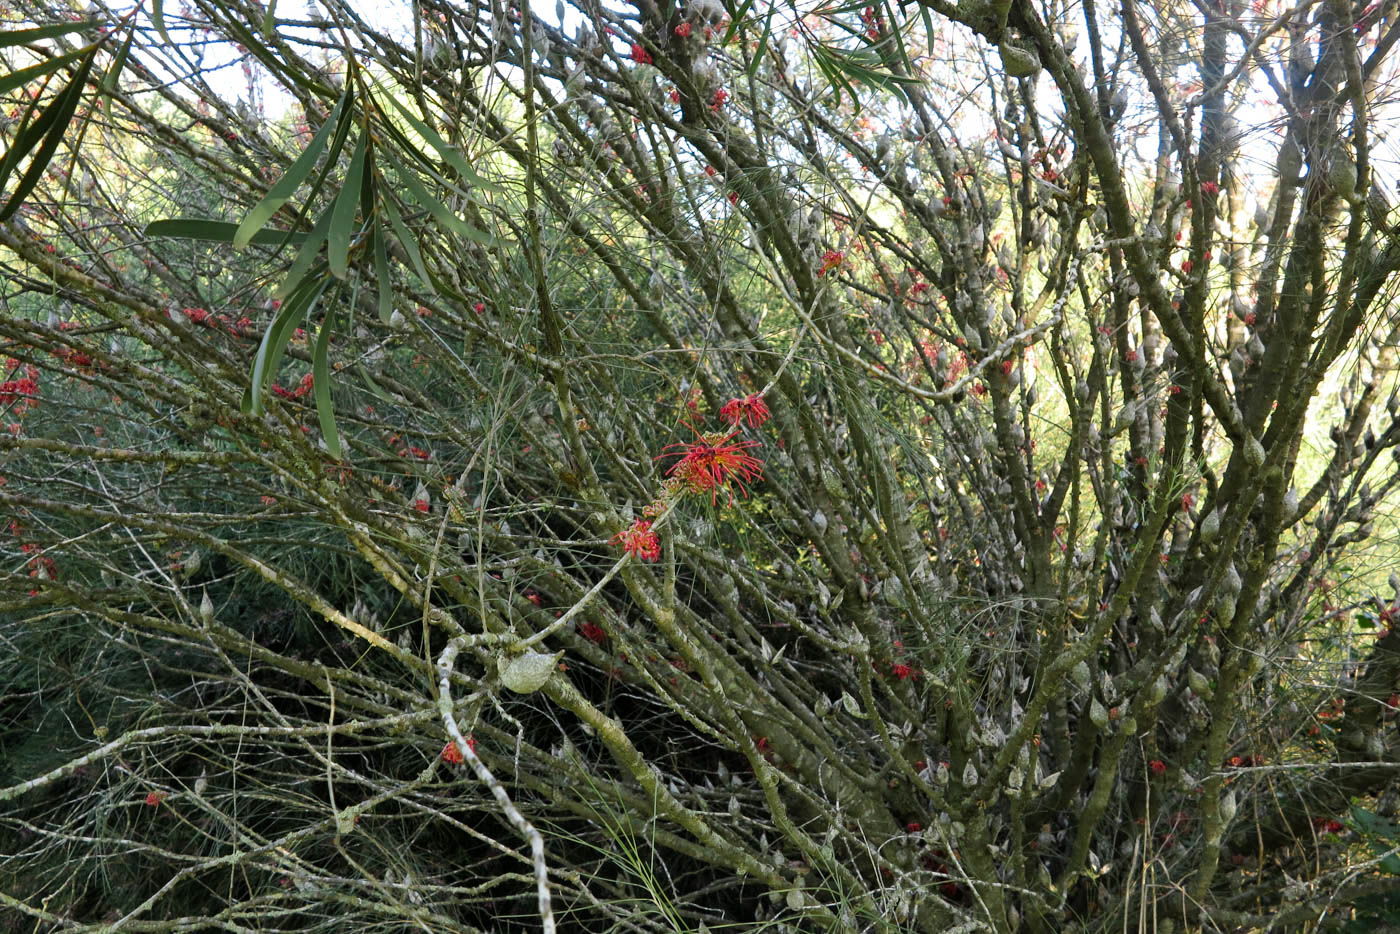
342,224
158,20
109,80
450,154
381,275
274,343
310,251
62,110
406,240
287,185
15,37
321,386
18,79
269,21
194,228
436,208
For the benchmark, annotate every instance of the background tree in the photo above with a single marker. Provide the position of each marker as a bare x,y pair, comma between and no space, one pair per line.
672,467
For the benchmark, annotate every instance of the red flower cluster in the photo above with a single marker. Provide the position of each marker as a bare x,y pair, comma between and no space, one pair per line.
719,99
1209,188
830,260
592,632
683,30
750,408
154,798
640,55
1158,767
12,389
453,755
712,461
639,540
904,672
303,388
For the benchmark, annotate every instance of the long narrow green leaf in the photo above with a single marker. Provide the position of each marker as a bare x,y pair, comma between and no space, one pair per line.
113,73
287,185
17,79
194,228
762,42
321,387
158,20
66,105
450,154
381,275
24,36
736,21
269,22
373,387
306,256
274,343
436,208
342,227
406,239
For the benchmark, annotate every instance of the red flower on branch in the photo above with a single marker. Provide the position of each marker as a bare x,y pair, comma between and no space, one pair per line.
592,632
1158,767
639,540
452,754
640,55
712,461
831,259
683,30
750,408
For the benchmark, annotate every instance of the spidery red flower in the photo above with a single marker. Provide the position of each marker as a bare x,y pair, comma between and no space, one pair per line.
683,30
1158,767
903,672
712,461
592,632
639,540
830,260
750,408
640,55
452,755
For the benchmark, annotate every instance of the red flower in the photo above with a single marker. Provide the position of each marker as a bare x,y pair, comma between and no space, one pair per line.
683,30
639,540
713,460
903,672
592,632
1209,188
452,754
830,260
479,307
1158,767
421,505
154,798
1186,266
718,99
640,55
750,408
913,826
674,95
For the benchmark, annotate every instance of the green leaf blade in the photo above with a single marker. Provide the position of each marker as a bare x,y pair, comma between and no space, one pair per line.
286,186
